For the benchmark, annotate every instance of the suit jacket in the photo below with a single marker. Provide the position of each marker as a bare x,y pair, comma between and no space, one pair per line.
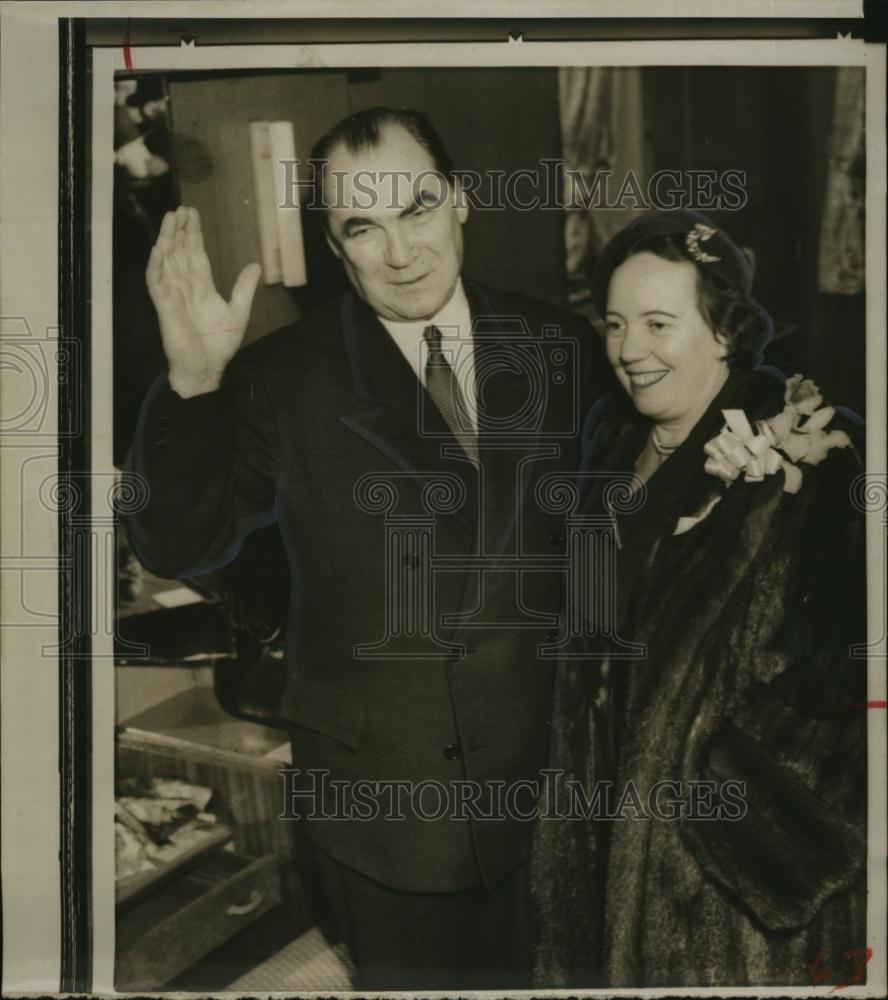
397,670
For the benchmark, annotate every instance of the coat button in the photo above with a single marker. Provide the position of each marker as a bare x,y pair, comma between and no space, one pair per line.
556,539
552,635
452,752
411,560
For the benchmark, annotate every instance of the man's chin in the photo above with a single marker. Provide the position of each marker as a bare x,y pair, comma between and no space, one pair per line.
411,306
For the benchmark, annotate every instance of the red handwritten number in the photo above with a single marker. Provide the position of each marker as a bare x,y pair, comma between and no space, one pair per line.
821,974
863,955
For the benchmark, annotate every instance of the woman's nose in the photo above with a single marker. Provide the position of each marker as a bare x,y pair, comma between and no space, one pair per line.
635,345
399,252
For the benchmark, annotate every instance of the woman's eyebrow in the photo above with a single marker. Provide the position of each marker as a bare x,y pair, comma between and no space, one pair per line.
659,312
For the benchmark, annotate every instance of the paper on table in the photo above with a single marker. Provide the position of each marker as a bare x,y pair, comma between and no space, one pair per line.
177,597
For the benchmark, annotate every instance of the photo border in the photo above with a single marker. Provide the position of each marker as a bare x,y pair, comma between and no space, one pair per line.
84,735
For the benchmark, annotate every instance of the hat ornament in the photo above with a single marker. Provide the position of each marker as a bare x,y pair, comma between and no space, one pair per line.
700,234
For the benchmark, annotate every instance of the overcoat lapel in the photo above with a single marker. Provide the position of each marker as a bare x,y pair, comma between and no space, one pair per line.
396,415
395,410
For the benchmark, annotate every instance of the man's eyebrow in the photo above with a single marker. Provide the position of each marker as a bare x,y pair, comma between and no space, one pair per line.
417,203
355,222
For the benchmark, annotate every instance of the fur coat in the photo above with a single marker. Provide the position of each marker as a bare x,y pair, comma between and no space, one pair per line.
747,619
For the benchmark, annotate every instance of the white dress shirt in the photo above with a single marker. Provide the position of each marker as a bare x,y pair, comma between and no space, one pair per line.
454,320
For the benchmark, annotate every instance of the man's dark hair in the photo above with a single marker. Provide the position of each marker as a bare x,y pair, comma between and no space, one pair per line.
362,131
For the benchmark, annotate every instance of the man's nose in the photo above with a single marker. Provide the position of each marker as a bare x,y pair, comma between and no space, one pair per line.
399,252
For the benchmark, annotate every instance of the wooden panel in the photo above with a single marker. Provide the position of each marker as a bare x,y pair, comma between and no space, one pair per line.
215,111
478,113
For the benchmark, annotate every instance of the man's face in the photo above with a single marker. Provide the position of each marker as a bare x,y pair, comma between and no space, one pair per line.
395,225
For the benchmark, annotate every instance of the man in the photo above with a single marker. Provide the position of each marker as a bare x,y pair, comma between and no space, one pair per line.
400,437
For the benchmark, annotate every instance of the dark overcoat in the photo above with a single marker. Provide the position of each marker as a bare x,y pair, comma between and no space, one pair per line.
419,595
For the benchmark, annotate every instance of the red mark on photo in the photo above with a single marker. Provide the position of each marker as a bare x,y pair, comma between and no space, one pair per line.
861,704
821,974
127,52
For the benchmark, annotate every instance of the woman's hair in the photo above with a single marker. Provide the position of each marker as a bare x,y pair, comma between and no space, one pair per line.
731,312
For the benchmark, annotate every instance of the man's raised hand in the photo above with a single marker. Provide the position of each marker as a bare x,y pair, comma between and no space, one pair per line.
201,332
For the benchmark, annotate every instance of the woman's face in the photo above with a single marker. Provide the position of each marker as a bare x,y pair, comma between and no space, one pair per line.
665,355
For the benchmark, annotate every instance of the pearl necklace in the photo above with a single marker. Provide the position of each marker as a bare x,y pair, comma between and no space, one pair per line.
661,449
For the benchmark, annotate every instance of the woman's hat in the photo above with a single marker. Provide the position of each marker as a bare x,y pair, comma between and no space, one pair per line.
704,242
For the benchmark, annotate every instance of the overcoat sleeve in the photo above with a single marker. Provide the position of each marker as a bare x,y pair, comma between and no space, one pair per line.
210,463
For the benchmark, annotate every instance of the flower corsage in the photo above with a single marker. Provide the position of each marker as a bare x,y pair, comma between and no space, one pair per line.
796,435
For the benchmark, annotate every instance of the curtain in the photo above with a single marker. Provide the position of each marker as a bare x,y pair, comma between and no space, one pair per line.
602,143
841,260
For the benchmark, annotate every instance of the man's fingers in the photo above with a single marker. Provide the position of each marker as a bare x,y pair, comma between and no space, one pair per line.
172,276
154,270
197,262
244,289
160,285
192,225
167,234
168,225
194,240
181,257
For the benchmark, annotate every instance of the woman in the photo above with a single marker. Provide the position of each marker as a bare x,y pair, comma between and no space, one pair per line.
737,854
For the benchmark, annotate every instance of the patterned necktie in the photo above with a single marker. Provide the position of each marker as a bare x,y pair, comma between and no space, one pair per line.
443,386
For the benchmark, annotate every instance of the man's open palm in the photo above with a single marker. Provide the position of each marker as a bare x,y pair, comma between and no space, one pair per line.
201,332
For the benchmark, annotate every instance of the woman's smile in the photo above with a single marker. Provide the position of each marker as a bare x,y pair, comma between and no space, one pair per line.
645,379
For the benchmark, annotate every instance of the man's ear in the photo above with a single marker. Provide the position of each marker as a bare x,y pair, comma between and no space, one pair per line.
460,201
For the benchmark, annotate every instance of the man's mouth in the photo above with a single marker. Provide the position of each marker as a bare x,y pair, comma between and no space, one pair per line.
644,380
411,281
